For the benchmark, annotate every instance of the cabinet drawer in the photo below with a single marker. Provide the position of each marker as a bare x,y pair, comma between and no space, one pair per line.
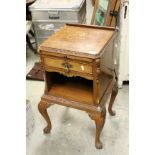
44,33
48,25
70,13
67,65
45,29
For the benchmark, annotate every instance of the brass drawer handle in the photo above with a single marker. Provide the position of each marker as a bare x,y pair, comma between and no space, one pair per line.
66,66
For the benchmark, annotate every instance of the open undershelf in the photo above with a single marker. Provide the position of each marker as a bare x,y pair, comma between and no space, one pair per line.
73,88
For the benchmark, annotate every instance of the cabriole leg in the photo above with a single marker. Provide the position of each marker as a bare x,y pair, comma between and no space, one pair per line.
42,107
112,99
99,121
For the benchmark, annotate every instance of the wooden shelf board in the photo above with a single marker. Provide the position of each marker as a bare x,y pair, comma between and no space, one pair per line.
79,92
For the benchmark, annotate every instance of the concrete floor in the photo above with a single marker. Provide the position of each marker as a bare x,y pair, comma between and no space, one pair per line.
73,132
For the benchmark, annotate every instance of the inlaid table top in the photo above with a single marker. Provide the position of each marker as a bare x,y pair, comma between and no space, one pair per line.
79,40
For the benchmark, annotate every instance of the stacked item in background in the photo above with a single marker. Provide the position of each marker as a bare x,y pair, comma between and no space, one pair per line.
48,16
100,13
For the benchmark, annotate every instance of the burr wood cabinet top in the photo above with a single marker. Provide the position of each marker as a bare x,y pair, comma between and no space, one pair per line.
80,40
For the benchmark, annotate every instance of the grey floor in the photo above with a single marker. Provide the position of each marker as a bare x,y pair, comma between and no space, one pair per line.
73,131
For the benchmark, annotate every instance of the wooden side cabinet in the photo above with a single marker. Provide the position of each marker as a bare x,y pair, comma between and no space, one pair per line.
79,72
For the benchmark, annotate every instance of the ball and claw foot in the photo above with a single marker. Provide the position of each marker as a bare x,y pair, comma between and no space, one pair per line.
47,129
112,112
99,145
42,107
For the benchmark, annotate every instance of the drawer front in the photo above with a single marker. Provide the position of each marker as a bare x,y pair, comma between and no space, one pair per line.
60,15
54,15
45,29
67,65
44,33
48,25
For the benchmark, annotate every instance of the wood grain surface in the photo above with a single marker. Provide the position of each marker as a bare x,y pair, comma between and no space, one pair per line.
82,40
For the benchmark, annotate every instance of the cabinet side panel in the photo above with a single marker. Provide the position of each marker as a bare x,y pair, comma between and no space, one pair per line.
107,58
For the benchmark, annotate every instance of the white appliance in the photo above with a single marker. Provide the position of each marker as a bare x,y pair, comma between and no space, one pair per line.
123,70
